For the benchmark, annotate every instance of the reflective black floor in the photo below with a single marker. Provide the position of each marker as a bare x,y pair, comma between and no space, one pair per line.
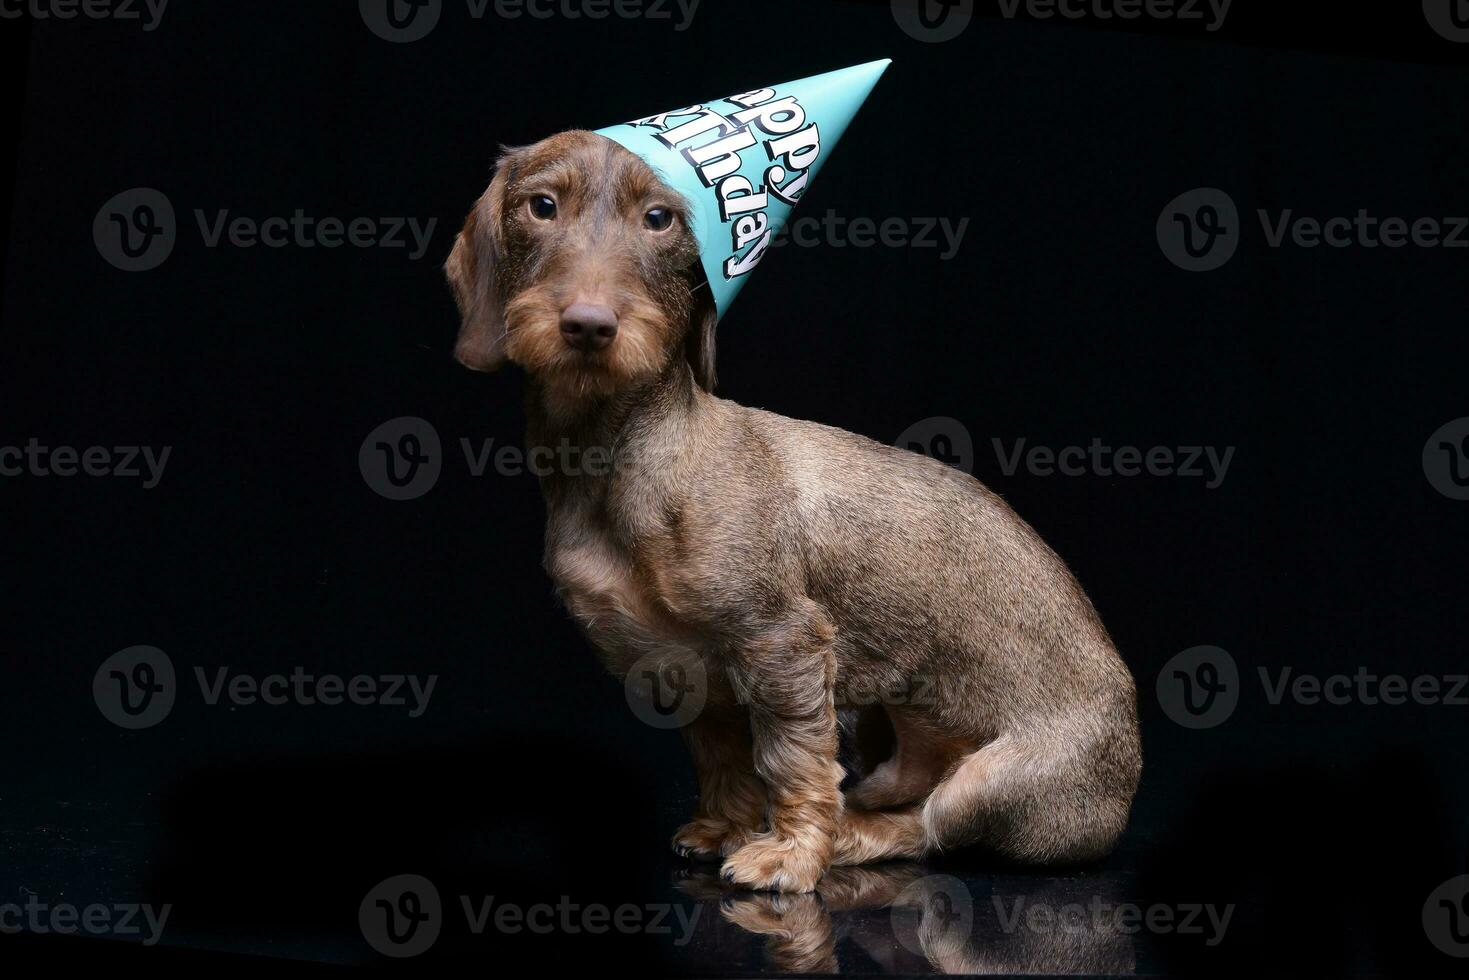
908,919
672,917
457,858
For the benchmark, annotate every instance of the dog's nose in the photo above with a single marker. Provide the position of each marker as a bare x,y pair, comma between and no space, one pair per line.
587,326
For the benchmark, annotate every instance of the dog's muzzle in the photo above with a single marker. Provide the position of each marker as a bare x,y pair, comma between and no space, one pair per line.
588,327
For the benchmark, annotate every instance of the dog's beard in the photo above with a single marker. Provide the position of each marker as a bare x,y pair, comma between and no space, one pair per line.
535,343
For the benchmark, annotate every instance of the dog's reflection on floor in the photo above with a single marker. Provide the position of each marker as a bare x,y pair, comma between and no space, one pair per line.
901,918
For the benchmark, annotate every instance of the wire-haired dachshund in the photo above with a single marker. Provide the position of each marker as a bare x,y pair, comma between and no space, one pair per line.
792,564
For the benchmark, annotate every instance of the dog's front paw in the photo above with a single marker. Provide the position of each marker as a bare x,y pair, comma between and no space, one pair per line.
710,838
773,863
701,838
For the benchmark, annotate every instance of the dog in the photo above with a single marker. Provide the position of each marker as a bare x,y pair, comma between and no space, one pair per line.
791,564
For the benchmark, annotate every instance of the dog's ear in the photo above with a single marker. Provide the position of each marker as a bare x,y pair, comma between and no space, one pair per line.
471,273
699,345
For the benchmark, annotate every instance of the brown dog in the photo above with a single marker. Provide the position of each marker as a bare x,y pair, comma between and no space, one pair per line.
793,564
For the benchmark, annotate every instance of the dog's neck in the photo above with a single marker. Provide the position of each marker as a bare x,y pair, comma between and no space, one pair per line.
638,427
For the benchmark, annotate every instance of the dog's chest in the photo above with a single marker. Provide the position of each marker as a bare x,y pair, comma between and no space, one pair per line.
618,596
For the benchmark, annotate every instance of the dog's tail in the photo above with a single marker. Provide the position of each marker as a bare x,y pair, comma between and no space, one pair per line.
1043,799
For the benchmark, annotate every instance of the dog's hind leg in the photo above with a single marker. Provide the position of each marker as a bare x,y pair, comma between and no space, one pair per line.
864,836
916,765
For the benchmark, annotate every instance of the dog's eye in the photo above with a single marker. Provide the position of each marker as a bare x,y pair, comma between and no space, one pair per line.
543,207
658,219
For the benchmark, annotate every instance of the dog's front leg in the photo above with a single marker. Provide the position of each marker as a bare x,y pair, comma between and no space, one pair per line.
731,797
789,673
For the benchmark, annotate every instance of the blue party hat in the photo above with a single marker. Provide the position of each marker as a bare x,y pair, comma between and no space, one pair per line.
743,162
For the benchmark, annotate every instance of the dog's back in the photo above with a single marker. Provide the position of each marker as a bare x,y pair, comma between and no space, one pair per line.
928,569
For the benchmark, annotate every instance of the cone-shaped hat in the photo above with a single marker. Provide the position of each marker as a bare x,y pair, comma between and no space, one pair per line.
743,162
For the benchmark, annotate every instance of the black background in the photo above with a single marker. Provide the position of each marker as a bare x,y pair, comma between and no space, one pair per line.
1059,321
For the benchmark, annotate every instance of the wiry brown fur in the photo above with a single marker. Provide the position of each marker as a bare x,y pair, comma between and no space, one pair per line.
796,564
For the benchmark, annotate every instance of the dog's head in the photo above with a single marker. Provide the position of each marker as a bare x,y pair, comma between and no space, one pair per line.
579,265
